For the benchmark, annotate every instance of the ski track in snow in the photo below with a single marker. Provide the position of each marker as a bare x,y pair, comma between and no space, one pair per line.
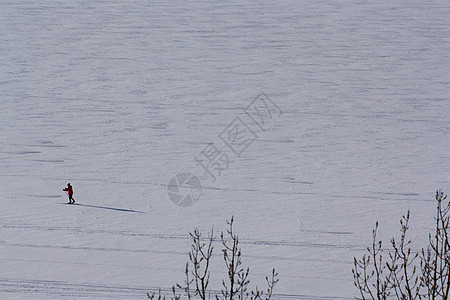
70,290
172,237
119,97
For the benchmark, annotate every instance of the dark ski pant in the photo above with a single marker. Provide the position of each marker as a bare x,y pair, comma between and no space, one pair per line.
71,200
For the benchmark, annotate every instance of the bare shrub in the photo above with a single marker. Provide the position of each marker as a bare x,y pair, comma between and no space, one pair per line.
197,271
401,276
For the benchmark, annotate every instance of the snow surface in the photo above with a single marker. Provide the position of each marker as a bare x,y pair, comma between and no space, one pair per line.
117,97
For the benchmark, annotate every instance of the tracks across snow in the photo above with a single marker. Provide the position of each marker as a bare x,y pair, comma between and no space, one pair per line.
274,243
54,288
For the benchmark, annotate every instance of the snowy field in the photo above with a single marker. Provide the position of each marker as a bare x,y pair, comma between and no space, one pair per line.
117,97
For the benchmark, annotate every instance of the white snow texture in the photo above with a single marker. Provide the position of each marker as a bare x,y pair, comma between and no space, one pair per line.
118,97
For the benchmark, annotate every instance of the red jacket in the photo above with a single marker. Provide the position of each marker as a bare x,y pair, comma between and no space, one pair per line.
69,190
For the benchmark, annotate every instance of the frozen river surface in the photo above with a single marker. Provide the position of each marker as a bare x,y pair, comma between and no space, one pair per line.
118,97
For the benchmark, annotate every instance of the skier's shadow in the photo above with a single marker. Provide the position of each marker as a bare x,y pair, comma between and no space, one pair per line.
111,208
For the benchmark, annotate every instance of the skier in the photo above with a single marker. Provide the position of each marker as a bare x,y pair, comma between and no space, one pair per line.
69,191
